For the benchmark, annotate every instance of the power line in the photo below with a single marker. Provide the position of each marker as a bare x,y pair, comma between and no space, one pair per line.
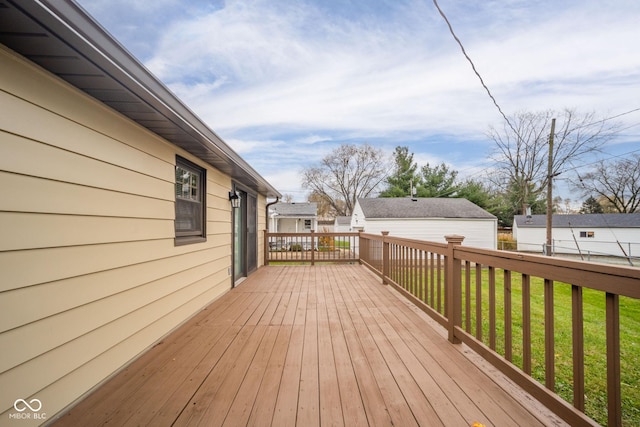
607,119
464,52
493,99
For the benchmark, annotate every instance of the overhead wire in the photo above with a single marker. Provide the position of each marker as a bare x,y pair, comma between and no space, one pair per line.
473,66
493,99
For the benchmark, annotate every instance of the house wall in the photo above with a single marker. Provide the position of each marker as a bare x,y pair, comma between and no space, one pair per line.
479,233
342,228
90,274
294,225
604,242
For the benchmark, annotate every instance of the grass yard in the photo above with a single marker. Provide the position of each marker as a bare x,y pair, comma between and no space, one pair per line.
594,340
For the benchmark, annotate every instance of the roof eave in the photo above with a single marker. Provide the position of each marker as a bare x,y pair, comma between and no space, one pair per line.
95,48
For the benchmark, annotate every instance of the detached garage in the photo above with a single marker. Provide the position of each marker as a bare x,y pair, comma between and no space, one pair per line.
427,219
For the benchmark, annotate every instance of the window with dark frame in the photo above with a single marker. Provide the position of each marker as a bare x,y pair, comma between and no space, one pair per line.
190,202
588,234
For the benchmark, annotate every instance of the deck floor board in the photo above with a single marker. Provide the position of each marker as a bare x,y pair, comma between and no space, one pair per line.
307,346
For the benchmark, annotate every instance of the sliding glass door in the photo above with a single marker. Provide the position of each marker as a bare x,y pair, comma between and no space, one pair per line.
245,236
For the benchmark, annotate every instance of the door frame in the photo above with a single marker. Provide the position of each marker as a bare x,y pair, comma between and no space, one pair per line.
247,249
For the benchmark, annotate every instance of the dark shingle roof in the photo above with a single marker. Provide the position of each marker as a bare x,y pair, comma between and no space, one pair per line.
343,220
296,209
580,220
404,207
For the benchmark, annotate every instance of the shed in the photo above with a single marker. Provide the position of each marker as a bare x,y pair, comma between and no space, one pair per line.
116,222
427,219
594,234
342,224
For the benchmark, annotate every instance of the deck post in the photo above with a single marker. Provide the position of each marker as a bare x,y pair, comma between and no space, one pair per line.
313,247
453,287
385,258
266,247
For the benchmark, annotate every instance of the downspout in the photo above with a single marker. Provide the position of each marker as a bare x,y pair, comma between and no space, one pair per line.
267,210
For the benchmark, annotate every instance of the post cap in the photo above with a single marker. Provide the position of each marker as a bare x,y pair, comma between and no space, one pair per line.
454,238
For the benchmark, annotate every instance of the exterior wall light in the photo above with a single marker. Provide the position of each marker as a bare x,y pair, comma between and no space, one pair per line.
234,198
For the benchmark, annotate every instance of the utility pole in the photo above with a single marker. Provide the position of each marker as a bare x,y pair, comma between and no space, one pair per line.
550,176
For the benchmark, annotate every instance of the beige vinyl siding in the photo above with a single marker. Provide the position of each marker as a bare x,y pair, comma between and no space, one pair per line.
90,273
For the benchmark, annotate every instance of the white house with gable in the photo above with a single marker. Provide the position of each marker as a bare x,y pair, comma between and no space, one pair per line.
293,217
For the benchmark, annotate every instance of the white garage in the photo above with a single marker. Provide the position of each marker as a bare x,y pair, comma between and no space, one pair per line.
426,219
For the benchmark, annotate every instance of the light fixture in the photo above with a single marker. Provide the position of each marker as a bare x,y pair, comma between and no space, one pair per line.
234,198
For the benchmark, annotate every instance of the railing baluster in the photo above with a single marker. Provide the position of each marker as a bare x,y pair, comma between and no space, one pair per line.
403,267
492,308
421,281
578,347
439,286
479,301
410,270
526,323
614,398
508,332
467,295
432,281
549,338
414,271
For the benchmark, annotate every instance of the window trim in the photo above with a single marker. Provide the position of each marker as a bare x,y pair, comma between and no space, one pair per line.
196,236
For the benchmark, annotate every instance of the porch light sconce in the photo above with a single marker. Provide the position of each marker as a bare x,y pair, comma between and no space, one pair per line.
234,198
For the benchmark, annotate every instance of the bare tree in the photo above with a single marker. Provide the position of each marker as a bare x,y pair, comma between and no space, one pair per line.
346,174
617,182
325,210
287,198
522,148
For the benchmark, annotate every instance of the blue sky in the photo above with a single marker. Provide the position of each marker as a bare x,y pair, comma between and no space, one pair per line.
284,82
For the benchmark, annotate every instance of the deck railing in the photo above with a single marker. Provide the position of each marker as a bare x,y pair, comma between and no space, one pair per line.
501,304
508,307
310,247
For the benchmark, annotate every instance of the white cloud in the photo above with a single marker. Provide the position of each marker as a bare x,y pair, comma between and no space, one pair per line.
283,82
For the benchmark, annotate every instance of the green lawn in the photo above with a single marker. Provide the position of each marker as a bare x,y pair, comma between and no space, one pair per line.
594,341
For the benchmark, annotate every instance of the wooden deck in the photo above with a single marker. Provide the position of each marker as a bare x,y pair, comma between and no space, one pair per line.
309,345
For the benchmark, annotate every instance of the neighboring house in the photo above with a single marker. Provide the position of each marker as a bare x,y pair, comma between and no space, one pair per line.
115,218
595,234
427,219
293,217
342,224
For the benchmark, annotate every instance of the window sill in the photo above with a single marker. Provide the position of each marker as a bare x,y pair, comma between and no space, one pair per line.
188,240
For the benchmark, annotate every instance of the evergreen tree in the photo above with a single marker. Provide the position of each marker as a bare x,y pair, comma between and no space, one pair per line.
591,206
438,181
404,174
